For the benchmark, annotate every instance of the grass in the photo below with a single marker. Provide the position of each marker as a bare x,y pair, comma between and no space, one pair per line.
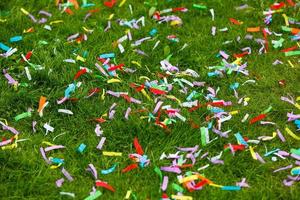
25,175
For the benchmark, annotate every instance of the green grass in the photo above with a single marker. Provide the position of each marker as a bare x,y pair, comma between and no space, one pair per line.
25,175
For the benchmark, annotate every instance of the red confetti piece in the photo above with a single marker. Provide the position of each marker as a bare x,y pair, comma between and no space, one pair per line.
157,91
201,183
258,118
130,167
28,55
234,21
105,185
277,6
178,9
241,54
110,4
290,49
79,73
115,67
235,147
100,120
69,11
138,147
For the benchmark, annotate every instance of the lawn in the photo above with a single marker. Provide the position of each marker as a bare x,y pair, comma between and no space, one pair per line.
176,89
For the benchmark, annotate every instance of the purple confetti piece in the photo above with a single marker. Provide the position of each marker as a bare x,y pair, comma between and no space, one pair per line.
91,168
44,156
280,135
66,174
42,12
11,129
171,169
32,18
101,143
283,168
218,161
59,182
243,183
157,107
291,100
127,113
295,156
10,79
98,130
224,55
292,117
204,155
87,16
277,62
33,126
288,183
259,158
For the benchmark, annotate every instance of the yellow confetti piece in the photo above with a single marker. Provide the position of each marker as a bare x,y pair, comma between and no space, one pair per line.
297,106
114,80
48,143
144,77
298,44
144,117
285,19
146,95
56,22
237,61
247,99
128,194
298,98
292,65
55,166
80,58
110,153
111,16
103,94
234,112
175,23
122,3
136,63
216,185
292,134
3,20
252,153
87,30
173,97
9,147
24,11
188,179
181,197
5,121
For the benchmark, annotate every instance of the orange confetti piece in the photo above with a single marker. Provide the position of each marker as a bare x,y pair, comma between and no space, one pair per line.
253,29
41,103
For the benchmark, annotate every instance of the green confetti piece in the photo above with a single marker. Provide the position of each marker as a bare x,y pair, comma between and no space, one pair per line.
151,11
23,115
94,196
292,53
267,110
42,42
203,135
285,28
159,173
198,6
295,151
166,50
177,187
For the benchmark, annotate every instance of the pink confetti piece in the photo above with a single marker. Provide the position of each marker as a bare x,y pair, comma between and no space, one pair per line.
164,184
54,148
243,183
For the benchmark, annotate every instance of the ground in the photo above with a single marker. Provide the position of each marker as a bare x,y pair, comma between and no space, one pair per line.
24,173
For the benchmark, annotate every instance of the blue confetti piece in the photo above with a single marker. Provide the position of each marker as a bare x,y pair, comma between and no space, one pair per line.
15,39
81,148
231,188
4,47
240,139
107,55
